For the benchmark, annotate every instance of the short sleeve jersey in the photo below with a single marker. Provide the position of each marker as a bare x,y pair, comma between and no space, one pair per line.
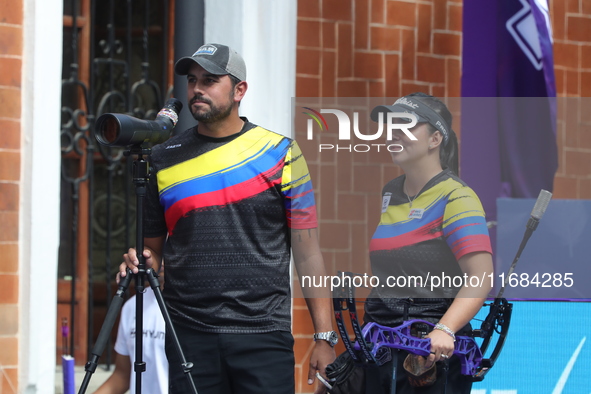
227,206
414,243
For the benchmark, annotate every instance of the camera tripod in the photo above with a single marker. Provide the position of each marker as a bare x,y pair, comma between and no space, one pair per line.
141,175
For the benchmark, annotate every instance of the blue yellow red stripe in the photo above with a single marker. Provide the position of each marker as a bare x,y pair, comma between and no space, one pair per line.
252,163
450,211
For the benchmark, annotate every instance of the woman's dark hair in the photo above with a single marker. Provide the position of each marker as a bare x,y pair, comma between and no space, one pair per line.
448,153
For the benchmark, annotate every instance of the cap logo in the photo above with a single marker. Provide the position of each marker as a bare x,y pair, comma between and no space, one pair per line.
442,127
405,101
205,50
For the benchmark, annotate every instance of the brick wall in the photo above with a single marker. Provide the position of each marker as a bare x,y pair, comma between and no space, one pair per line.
360,48
571,23
11,49
389,48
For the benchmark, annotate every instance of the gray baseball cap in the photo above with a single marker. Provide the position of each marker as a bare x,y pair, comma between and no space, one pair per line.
214,58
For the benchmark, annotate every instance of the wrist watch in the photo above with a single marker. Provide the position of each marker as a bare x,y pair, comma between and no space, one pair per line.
329,336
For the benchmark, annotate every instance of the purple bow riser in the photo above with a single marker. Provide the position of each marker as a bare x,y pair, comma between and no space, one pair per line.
400,337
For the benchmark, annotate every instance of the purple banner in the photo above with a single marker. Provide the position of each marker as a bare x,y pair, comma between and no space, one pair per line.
508,146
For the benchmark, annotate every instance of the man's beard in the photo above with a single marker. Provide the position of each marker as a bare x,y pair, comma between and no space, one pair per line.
215,113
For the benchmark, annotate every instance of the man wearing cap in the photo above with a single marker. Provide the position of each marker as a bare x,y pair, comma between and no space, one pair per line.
226,204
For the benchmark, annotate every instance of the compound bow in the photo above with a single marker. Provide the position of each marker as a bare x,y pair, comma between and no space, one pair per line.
370,339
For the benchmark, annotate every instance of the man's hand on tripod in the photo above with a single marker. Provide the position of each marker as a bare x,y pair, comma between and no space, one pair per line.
152,253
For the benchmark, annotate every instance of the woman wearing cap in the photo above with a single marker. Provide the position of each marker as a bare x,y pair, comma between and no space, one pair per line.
432,225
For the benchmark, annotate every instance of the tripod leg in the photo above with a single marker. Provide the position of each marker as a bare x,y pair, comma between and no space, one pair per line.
186,366
105,332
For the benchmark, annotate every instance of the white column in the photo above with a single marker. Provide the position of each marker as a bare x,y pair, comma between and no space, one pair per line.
39,193
264,33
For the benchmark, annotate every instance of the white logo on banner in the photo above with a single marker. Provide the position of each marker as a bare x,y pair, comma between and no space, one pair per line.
561,381
522,26
569,367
